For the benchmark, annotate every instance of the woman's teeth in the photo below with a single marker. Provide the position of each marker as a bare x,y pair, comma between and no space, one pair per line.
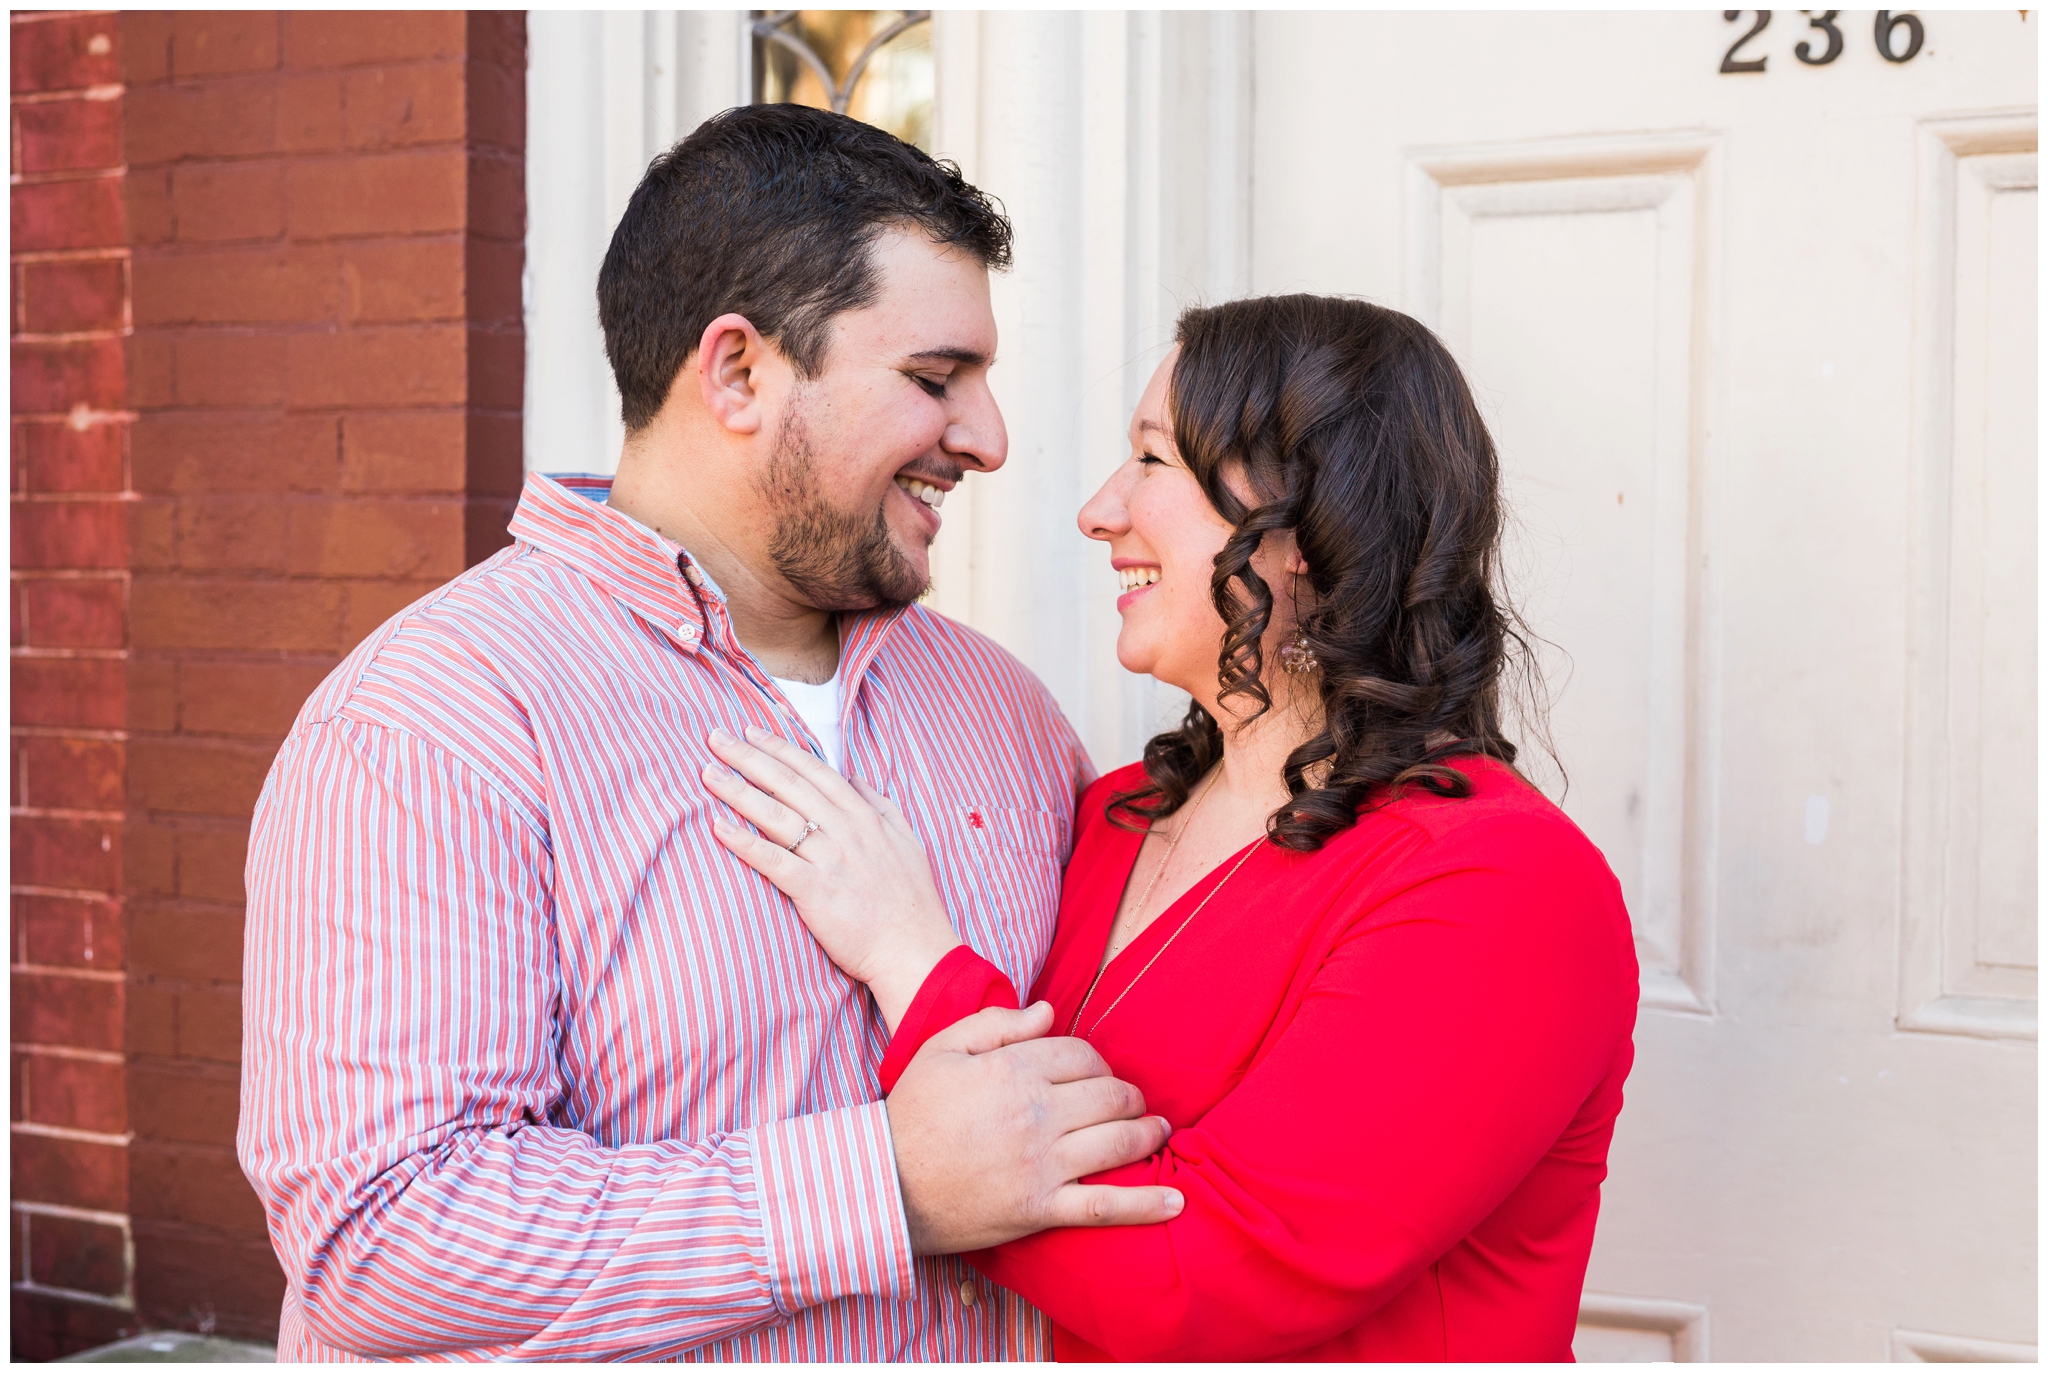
924,491
1135,577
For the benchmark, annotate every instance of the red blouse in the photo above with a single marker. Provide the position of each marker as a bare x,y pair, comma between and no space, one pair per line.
1392,1067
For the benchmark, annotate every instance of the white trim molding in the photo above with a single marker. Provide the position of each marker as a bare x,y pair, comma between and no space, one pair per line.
1945,985
1683,1323
1918,1346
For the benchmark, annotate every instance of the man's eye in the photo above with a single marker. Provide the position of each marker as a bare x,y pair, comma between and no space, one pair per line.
935,389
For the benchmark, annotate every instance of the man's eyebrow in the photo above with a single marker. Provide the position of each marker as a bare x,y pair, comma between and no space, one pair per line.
966,357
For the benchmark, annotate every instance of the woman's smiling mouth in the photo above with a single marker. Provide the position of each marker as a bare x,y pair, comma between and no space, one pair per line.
1136,579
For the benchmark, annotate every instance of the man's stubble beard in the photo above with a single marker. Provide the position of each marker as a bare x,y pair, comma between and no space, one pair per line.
833,559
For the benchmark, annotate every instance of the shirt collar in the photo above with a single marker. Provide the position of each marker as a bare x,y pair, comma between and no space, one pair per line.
566,515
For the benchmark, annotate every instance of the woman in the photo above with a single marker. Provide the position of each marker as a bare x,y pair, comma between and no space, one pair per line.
1380,987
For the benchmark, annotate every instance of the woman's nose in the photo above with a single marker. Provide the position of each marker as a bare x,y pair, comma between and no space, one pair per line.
1105,515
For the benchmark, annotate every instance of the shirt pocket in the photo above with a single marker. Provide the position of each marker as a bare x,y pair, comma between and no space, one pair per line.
999,869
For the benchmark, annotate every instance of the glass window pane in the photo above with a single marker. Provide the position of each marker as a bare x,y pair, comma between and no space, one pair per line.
875,65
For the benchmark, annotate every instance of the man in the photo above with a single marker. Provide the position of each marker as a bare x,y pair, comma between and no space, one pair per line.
532,1067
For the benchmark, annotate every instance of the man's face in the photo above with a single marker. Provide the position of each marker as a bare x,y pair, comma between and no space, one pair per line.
899,413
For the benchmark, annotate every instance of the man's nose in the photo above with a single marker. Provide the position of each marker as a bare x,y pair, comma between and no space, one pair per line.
976,435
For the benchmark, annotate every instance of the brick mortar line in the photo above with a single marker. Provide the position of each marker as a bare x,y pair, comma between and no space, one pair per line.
76,974
98,896
28,1127
67,174
122,1303
440,147
250,656
288,69
62,812
72,417
107,736
196,905
97,93
176,250
29,256
58,1209
21,18
78,336
297,328
66,1051
69,655
147,980
249,742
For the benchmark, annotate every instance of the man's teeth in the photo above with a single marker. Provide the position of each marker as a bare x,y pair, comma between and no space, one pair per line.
1135,577
924,491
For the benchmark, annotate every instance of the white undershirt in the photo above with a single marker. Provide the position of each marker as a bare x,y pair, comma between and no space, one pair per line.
818,703
819,706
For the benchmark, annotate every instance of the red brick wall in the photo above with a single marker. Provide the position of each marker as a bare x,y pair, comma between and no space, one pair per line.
69,439
325,214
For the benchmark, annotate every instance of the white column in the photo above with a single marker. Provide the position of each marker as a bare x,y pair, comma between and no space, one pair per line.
1118,143
606,90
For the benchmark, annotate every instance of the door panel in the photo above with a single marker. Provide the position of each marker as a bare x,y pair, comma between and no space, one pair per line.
1574,298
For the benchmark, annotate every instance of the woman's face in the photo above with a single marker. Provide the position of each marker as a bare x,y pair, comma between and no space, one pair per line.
1163,538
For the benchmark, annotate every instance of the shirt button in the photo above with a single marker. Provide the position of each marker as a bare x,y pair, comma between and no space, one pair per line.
967,1291
687,633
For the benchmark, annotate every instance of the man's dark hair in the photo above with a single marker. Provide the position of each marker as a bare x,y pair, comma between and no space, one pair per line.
769,211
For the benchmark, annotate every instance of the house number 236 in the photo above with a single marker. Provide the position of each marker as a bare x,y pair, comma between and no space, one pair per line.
1898,38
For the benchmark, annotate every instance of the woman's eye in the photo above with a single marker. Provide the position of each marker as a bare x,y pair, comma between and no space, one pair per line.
935,389
1144,457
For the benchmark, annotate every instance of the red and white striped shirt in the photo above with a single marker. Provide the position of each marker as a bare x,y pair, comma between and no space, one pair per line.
531,1066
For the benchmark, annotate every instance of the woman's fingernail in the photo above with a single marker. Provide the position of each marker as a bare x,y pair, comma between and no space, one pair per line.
720,736
1175,1202
755,734
716,772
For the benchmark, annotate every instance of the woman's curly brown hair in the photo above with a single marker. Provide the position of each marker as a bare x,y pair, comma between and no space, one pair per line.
1354,430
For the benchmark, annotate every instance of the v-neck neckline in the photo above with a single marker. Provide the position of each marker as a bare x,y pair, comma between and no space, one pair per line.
1197,890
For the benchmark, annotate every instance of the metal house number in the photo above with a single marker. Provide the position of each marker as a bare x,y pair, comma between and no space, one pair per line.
1892,45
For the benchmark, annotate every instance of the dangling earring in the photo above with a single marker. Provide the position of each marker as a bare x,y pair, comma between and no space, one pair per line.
1297,656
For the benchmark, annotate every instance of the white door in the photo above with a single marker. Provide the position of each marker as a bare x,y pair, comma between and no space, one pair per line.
1758,350
1756,334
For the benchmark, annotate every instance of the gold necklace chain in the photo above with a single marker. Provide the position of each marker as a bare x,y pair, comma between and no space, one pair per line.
1075,1023
1165,858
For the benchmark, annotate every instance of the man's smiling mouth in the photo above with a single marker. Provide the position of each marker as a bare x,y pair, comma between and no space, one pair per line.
931,495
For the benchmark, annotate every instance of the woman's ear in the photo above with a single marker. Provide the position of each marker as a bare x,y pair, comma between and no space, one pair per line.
729,357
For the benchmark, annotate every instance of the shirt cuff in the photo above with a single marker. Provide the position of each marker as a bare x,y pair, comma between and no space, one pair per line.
832,1208
958,985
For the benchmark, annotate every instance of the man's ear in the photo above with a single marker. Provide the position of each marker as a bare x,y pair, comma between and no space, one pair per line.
728,362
